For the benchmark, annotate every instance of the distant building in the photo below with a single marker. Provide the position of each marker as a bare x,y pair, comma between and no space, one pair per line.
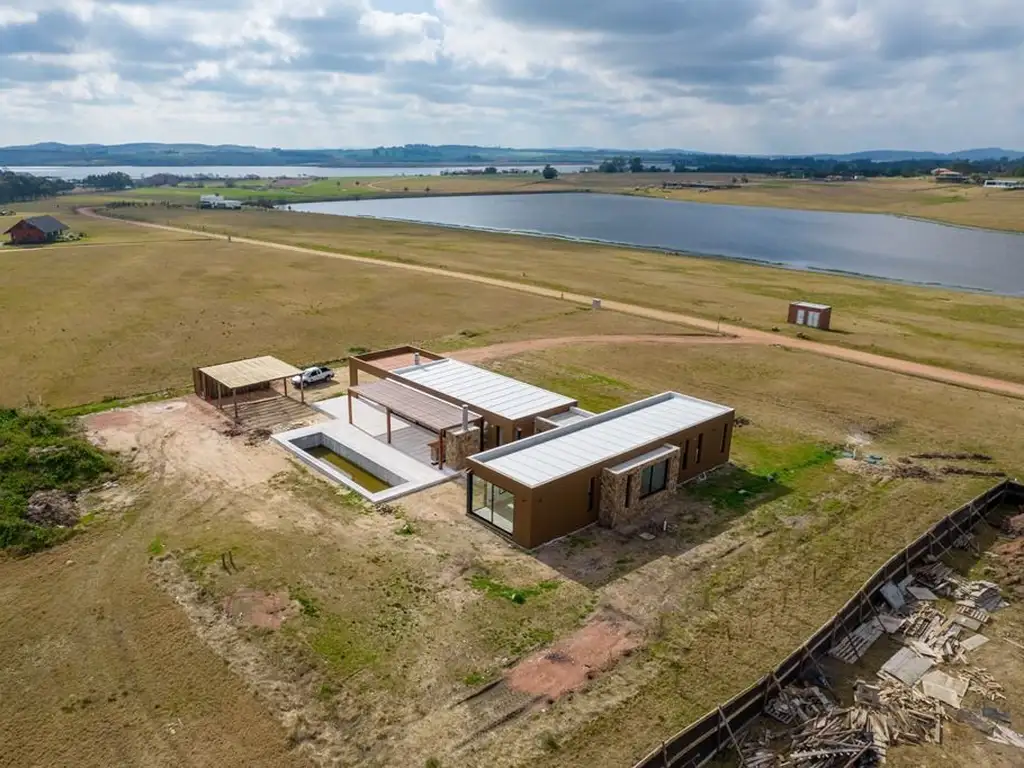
1005,183
36,230
946,176
811,315
217,201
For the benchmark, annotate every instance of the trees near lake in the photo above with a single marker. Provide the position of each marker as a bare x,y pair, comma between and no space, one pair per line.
18,187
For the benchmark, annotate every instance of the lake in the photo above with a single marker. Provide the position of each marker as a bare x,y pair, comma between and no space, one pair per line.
263,171
874,245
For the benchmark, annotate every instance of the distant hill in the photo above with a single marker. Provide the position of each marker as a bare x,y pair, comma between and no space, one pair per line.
156,154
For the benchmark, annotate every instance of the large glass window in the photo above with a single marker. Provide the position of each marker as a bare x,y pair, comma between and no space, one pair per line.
492,503
654,479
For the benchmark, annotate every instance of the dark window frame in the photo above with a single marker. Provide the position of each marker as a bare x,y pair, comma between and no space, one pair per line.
651,481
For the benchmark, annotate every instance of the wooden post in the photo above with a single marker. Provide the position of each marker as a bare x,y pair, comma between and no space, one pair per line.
234,397
387,412
732,737
220,396
349,406
440,450
285,381
302,389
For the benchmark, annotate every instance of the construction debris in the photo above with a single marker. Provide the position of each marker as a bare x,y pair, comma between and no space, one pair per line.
855,644
1007,736
945,688
905,704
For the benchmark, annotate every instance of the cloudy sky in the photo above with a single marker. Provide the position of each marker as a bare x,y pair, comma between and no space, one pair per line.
713,75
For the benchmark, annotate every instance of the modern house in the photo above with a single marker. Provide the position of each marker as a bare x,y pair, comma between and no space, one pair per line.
36,230
511,409
811,315
537,466
614,467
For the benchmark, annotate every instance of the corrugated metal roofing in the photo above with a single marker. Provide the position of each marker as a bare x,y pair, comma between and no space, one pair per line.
247,373
482,389
811,305
550,455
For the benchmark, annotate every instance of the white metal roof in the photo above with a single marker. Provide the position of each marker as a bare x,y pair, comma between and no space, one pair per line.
811,305
550,455
482,389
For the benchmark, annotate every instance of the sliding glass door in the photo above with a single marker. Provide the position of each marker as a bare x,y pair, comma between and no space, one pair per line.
492,503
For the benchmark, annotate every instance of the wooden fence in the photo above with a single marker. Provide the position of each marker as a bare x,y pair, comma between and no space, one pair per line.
701,741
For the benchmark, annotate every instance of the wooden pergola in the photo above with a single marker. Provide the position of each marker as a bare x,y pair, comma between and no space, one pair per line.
215,382
414,407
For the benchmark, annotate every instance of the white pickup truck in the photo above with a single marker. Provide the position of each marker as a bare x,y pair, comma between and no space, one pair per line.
313,375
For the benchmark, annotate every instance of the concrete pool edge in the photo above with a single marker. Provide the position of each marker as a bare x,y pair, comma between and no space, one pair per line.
405,474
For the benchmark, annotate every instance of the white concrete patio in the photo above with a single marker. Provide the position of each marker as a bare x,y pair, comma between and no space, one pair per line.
407,438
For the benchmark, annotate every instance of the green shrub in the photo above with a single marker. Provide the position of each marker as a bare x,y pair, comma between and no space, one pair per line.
40,451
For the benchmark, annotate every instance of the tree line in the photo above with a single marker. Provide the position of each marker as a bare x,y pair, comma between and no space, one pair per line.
811,167
19,187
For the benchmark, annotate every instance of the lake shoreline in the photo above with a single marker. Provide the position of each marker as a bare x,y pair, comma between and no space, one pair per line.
675,252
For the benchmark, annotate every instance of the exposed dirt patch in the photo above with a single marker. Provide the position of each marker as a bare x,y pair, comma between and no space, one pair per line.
568,664
290,699
254,608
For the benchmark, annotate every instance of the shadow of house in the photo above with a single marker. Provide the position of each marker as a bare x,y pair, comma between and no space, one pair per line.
695,515
36,230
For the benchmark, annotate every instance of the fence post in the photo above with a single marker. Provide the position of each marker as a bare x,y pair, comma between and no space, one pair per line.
732,736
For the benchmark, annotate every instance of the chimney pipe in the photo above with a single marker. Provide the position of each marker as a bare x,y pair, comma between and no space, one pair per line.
465,418
415,358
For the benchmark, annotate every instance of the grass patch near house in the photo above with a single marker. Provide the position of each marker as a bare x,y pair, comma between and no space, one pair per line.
518,595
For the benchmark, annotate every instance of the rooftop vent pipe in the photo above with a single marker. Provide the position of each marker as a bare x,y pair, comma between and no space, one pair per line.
415,358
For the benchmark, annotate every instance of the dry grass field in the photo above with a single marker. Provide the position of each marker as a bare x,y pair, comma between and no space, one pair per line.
969,206
972,332
399,617
85,323
139,642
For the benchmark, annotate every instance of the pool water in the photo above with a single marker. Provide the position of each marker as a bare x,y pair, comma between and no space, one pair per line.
357,474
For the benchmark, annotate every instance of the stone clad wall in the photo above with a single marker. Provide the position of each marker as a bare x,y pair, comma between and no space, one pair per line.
459,445
615,509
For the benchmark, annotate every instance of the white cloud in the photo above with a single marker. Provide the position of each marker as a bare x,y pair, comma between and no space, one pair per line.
715,75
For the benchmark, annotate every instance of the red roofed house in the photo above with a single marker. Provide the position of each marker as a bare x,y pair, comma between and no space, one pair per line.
36,230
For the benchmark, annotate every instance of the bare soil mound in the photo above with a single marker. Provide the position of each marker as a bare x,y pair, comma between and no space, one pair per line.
54,509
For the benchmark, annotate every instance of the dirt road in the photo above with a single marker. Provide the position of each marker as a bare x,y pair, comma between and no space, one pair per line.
509,348
749,335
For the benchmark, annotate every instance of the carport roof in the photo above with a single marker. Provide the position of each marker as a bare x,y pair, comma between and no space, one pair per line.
247,373
431,412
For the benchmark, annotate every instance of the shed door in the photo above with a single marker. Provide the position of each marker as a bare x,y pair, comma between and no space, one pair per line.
813,318
801,316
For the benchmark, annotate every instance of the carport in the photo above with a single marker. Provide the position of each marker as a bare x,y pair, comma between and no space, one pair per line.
425,411
246,378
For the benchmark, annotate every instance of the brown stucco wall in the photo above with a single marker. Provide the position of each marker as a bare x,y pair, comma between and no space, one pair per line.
560,507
